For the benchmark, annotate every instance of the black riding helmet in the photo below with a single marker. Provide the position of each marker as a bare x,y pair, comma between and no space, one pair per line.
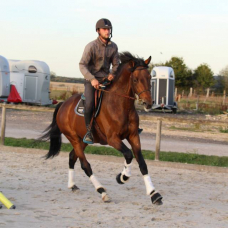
104,23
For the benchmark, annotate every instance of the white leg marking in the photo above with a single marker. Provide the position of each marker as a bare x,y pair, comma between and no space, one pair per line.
149,185
98,185
95,182
127,169
71,175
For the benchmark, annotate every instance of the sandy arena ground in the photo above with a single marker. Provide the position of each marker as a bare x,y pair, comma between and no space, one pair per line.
39,190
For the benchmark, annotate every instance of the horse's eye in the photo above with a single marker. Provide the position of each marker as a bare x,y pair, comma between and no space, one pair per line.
135,80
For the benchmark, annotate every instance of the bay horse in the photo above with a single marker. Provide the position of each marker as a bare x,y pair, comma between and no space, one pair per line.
117,120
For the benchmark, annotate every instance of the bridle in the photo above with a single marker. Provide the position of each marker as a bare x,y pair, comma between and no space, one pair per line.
132,86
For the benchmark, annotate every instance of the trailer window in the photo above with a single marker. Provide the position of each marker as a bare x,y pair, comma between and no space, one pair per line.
171,75
32,69
153,73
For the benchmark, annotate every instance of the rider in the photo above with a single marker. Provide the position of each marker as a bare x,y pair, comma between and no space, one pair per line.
95,66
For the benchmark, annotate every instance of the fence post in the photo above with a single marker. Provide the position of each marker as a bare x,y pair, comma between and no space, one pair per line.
207,95
179,97
197,103
224,97
3,125
175,92
158,139
190,93
208,92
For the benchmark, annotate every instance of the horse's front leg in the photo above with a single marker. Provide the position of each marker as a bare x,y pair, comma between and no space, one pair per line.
134,141
124,176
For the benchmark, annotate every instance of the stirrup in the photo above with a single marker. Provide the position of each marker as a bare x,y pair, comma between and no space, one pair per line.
140,130
87,139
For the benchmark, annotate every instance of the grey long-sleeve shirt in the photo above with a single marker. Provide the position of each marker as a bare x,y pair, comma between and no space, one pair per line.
97,58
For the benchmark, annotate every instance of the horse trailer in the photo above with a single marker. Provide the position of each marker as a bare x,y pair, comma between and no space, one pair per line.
29,82
4,77
163,88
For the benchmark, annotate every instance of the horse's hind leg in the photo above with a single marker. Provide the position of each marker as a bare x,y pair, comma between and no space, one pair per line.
79,147
71,174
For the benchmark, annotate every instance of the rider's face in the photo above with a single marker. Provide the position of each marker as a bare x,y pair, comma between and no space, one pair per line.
104,33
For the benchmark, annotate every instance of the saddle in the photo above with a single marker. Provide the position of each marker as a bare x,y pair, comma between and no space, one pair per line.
79,109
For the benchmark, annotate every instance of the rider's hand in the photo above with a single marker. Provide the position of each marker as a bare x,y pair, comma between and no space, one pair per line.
110,77
95,83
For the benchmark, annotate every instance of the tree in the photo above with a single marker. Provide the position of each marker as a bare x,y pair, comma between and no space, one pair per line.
53,75
183,75
203,77
152,65
219,84
224,78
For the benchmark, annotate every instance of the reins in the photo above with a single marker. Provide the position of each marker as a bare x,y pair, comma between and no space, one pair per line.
124,95
121,95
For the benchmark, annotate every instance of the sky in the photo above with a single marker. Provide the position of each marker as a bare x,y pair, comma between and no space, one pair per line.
57,31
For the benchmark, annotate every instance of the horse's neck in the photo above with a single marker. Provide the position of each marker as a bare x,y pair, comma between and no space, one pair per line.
123,84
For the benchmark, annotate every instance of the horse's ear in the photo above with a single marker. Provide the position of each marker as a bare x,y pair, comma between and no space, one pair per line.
148,60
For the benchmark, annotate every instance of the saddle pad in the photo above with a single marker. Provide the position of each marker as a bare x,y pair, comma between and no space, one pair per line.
79,109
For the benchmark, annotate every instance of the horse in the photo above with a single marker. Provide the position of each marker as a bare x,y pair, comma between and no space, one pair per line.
117,120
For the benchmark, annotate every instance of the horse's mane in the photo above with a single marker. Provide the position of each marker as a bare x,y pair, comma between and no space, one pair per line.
126,57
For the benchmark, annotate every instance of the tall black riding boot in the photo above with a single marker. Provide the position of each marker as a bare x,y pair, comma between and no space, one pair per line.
88,111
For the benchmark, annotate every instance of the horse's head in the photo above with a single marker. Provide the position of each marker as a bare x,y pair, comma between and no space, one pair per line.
140,81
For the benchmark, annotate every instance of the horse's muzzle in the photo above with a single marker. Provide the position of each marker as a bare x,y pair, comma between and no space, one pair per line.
147,106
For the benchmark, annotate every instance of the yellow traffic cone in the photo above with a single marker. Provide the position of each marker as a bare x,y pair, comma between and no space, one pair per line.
6,202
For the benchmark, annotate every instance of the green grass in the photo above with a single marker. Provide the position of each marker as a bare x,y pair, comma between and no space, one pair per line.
223,130
189,158
195,129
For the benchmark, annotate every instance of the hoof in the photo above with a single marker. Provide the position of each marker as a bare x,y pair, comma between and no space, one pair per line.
74,188
158,202
156,198
121,179
105,197
118,179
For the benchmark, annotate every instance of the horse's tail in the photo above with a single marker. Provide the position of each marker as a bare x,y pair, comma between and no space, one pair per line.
53,133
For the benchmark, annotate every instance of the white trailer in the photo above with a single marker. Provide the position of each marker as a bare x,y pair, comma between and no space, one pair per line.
31,79
163,88
4,78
